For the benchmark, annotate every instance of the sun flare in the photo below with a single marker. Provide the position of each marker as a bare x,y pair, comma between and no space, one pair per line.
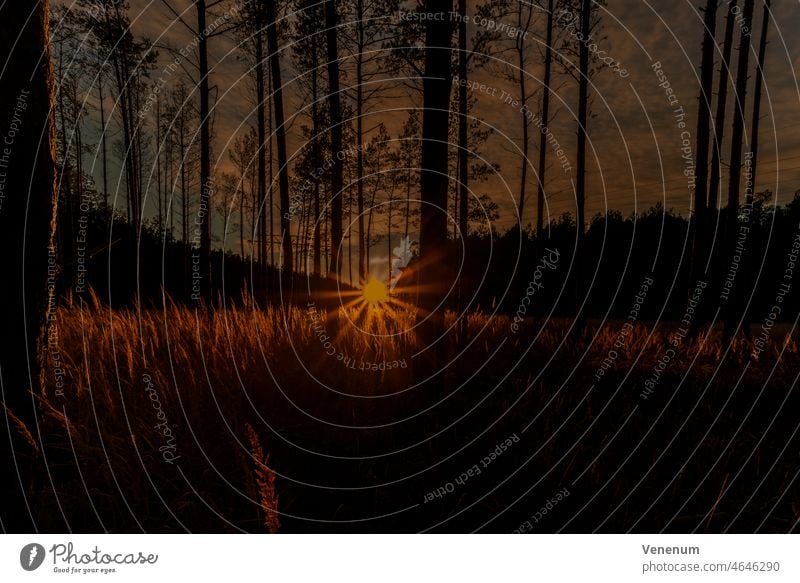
374,292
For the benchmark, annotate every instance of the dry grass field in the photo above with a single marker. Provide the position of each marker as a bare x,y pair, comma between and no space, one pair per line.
246,419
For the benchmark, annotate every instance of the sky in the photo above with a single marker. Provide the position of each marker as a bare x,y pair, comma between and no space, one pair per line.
635,143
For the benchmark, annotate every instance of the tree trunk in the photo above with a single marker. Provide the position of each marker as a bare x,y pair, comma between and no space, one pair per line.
66,238
463,153
317,155
280,137
241,220
350,241
719,119
262,139
433,270
271,178
520,47
206,186
362,259
748,272
738,119
124,83
169,192
700,225
158,167
548,65
754,128
28,202
737,133
580,181
334,104
103,129
184,193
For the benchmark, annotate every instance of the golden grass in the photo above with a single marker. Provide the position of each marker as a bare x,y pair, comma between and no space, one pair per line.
217,375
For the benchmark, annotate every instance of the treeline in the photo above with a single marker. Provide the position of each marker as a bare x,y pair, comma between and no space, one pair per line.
621,253
494,269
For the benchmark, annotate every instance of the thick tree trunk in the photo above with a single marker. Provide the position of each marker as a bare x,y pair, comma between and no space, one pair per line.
280,137
28,202
434,179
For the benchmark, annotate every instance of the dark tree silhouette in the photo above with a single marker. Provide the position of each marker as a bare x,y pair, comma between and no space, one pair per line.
362,38
309,53
280,134
361,46
524,19
261,128
206,186
27,223
463,144
700,224
337,168
737,134
748,275
436,83
548,66
738,118
580,156
722,102
754,127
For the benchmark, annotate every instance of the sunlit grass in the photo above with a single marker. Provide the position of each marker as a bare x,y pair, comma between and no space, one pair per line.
220,373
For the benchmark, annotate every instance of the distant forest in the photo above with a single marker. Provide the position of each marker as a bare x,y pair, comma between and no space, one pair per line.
496,267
